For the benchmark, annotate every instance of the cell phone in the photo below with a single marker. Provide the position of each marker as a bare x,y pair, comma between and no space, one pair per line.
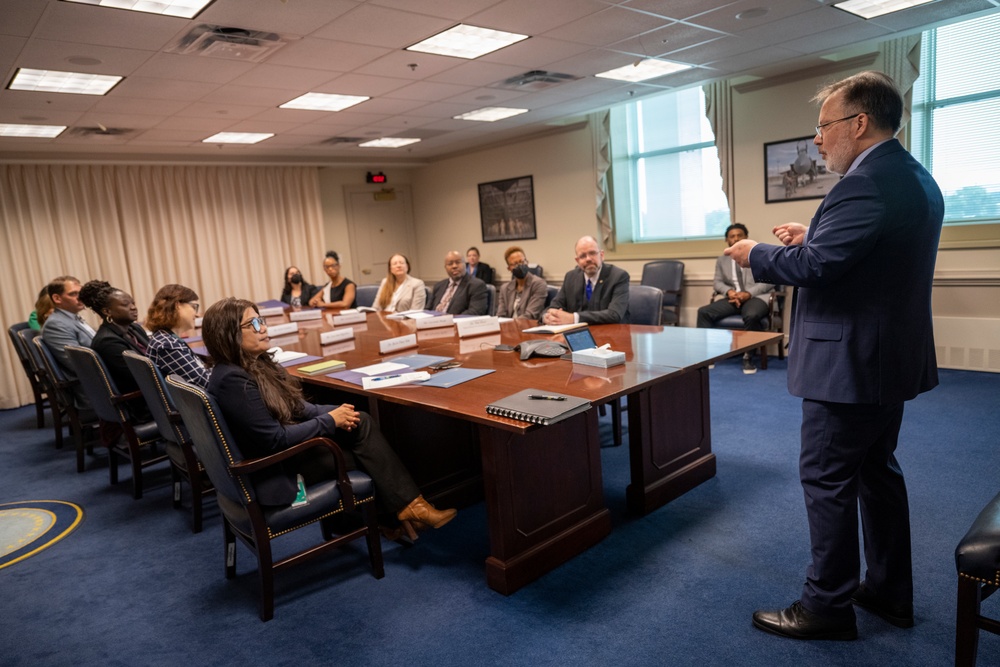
504,348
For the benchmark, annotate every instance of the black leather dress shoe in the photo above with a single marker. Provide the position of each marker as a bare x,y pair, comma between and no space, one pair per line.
797,622
899,615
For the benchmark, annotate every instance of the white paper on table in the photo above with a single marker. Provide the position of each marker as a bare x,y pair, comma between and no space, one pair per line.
380,369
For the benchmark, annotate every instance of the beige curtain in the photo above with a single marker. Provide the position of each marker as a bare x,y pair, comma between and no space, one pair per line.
223,231
901,61
719,111
600,132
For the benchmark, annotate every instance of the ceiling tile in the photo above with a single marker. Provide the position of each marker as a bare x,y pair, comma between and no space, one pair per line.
90,24
429,91
298,17
535,52
449,9
476,73
20,18
724,18
751,59
161,89
677,9
129,105
248,95
193,68
397,64
232,112
46,54
356,84
380,26
324,54
665,40
531,17
607,27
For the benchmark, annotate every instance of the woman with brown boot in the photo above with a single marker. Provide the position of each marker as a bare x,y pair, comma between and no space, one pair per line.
266,413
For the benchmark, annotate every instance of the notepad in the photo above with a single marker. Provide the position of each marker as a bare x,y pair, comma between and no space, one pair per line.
554,328
327,366
538,411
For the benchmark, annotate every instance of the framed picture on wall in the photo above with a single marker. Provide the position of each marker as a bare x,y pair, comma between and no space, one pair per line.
507,209
794,169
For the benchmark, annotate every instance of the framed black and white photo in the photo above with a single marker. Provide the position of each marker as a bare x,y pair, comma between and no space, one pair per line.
507,209
794,169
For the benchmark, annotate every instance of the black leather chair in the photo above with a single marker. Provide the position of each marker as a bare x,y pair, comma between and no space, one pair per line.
551,291
83,425
773,322
491,300
645,304
977,559
668,275
184,463
110,406
24,356
257,525
365,295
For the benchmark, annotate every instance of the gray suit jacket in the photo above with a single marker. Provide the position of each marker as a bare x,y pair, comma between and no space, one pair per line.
62,329
724,280
469,299
609,302
532,298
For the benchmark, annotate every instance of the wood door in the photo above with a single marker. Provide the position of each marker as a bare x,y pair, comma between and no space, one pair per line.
380,222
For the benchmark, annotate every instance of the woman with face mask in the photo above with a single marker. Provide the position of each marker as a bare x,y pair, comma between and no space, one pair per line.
524,295
297,291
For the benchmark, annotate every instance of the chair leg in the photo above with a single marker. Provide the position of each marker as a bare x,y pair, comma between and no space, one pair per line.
135,456
374,540
196,502
39,406
265,568
966,622
229,545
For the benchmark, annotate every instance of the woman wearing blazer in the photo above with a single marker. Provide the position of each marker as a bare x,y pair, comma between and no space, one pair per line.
399,290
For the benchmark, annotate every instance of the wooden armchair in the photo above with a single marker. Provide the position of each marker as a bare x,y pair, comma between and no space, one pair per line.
977,559
24,356
257,525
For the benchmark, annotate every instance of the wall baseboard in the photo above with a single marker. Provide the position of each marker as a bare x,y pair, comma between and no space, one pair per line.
968,343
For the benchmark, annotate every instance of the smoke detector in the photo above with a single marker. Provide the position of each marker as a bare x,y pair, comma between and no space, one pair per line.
216,41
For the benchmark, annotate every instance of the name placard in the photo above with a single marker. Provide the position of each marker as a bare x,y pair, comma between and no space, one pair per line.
432,334
274,330
398,343
303,315
477,326
271,311
335,336
435,322
338,348
349,317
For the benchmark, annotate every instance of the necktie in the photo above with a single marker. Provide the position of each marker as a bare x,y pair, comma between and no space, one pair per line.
446,299
590,289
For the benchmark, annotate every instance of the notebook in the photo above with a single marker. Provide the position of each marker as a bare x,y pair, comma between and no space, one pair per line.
546,409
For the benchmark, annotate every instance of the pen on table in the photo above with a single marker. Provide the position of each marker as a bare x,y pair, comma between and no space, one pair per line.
543,397
385,377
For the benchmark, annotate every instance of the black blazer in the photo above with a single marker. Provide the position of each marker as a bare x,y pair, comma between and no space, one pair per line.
609,302
469,299
308,292
109,343
483,271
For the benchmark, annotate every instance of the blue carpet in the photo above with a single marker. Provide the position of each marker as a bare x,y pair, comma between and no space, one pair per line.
133,586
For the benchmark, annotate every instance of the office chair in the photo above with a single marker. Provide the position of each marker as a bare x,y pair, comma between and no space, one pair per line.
773,322
552,290
110,406
257,525
668,275
23,355
977,559
491,300
365,295
184,463
84,425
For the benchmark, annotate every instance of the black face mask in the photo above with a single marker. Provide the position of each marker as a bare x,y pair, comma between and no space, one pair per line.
296,279
520,271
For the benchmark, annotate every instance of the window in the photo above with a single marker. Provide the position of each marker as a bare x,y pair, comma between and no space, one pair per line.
956,117
665,178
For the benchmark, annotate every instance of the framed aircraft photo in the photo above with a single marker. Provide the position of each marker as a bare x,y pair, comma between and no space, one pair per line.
794,169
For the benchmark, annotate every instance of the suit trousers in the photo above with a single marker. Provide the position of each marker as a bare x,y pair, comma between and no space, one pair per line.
848,459
753,311
367,449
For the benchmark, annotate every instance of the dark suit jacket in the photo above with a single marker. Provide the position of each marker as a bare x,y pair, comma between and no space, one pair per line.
469,298
862,330
483,271
109,344
258,434
609,302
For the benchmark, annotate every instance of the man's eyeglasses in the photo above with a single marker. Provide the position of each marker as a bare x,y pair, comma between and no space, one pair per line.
819,128
194,305
256,323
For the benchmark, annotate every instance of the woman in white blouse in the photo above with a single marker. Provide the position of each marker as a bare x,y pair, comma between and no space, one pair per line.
400,291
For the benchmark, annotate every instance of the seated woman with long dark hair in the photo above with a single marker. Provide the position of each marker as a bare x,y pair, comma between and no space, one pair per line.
118,333
297,291
266,413
172,315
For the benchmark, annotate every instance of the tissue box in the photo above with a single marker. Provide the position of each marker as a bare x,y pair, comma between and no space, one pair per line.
599,357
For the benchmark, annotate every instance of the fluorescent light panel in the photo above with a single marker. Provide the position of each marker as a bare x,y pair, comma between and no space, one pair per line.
644,69
237,137
51,81
490,114
184,8
43,131
323,102
869,9
388,142
467,41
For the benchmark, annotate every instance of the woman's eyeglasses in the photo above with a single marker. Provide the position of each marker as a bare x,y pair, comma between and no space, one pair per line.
194,305
256,323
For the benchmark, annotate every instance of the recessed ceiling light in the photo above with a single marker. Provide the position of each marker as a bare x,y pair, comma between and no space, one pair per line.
490,114
869,9
644,69
63,82
467,41
388,142
323,102
237,137
183,8
45,131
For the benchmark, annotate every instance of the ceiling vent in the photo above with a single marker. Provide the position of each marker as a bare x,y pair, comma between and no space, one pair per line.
216,41
100,133
342,140
535,80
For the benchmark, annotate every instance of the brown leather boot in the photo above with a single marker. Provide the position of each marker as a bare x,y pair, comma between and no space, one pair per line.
422,511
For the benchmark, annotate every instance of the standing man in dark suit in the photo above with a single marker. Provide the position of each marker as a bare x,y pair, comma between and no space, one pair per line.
861,345
459,293
594,292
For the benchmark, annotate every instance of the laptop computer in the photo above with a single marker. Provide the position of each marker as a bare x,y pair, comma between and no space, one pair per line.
578,339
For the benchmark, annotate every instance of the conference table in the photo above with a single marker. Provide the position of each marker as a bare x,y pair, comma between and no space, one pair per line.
542,485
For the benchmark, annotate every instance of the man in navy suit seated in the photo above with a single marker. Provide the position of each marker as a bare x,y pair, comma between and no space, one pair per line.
594,292
862,344
459,293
